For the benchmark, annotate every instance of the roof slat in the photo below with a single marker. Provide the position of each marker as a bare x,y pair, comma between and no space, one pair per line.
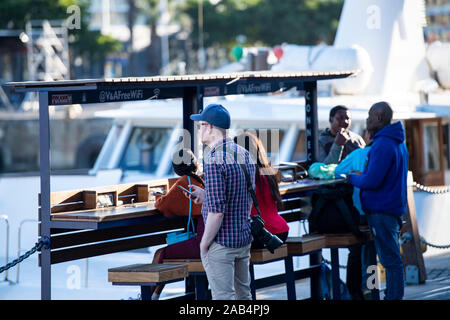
317,75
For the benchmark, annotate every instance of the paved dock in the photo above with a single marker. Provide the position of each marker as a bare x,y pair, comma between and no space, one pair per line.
437,286
69,281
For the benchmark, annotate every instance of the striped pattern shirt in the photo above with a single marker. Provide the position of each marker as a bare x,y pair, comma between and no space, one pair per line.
226,192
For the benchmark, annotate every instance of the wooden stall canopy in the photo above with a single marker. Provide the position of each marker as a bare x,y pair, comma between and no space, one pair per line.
148,88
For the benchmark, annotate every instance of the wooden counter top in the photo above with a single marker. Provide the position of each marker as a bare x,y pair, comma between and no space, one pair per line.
107,214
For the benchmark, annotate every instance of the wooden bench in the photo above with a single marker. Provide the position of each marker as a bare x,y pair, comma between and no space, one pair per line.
307,245
196,273
147,275
334,242
257,256
298,246
262,256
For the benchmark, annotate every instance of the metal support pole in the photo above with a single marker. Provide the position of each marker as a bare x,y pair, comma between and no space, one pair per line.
290,278
5,217
335,278
315,260
146,292
44,157
86,272
192,103
312,122
201,286
312,153
252,281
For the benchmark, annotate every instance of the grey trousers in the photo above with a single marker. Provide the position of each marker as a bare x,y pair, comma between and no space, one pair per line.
227,270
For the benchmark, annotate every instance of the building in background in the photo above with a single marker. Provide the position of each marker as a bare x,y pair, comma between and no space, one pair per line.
438,21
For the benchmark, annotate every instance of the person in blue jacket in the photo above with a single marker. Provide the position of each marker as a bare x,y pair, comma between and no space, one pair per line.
356,161
383,185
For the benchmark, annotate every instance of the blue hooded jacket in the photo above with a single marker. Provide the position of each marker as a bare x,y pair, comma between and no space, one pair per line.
383,183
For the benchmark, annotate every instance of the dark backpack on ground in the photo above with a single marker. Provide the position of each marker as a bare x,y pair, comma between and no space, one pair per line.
333,210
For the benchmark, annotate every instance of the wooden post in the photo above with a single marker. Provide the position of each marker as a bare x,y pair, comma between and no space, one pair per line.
412,252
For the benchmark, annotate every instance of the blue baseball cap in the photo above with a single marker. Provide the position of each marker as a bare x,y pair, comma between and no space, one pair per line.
214,114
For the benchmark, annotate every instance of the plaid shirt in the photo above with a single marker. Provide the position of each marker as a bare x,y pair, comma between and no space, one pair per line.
226,192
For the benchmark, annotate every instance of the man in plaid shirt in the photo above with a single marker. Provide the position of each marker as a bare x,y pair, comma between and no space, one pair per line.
225,245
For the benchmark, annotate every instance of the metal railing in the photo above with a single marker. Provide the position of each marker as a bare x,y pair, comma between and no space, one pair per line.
19,247
5,217
19,250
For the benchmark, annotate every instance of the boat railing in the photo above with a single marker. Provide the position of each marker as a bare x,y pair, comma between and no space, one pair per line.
19,240
5,218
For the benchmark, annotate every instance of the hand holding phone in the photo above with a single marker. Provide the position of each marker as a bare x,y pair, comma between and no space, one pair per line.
188,192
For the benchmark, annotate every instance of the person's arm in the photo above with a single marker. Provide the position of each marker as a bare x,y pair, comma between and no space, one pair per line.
212,226
198,192
215,203
336,150
335,154
164,203
380,161
346,165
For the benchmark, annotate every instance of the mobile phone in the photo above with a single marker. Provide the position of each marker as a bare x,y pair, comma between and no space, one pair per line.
188,192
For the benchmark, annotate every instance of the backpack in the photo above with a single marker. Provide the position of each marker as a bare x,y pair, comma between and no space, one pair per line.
333,210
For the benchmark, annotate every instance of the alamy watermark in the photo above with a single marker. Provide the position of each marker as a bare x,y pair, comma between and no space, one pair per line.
73,281
373,21
373,281
74,20
225,153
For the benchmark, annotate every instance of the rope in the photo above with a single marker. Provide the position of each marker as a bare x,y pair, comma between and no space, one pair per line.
434,190
37,247
403,239
434,245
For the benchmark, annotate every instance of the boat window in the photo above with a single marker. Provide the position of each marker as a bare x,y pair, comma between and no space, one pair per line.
109,146
145,149
431,147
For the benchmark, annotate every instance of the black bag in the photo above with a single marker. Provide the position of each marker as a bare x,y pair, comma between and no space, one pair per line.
333,210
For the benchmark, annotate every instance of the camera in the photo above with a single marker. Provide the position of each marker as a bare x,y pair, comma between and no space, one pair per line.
271,242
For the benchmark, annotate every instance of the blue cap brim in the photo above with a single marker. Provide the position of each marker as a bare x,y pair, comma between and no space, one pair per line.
196,117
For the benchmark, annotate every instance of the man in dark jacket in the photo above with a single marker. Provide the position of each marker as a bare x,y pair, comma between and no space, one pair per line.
336,142
383,187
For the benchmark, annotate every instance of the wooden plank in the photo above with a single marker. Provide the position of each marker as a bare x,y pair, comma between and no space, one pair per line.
141,273
305,244
264,255
305,185
89,199
296,215
412,252
341,240
99,249
142,192
107,214
77,195
193,265
295,203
